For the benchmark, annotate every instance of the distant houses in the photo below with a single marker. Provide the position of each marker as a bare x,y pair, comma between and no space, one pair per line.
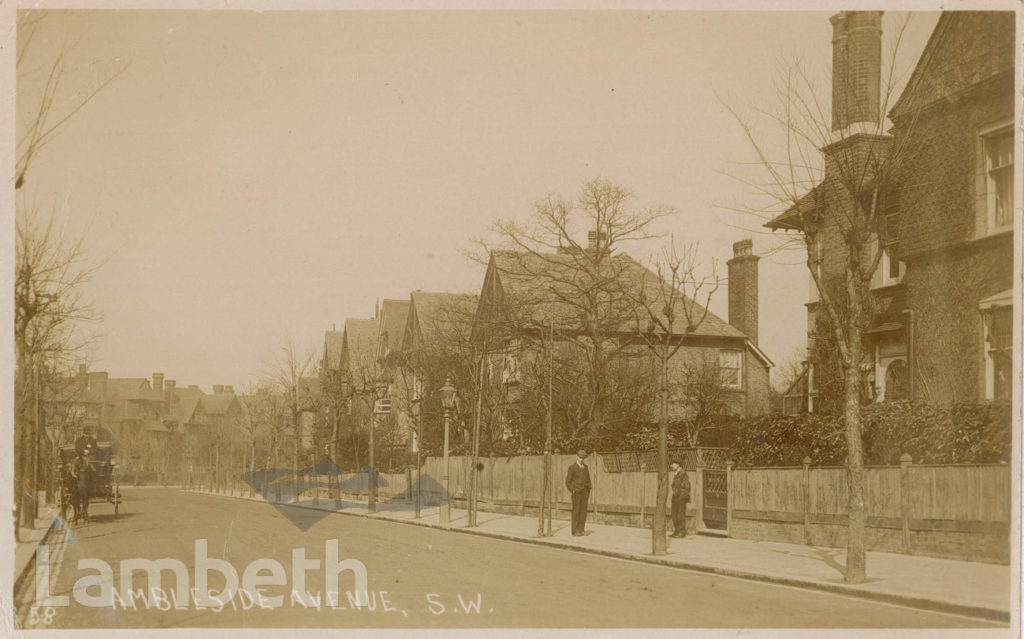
161,428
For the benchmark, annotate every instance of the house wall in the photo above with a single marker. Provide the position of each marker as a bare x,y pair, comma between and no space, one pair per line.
951,264
944,289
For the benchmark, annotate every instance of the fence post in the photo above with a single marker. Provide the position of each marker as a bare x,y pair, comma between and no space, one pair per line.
522,484
699,523
806,500
643,498
905,462
728,497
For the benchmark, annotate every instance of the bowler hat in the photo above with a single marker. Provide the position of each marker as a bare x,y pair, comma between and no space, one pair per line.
581,453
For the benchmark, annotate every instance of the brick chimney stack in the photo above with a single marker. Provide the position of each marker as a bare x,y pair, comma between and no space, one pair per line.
230,390
743,288
98,382
856,67
218,389
158,382
169,391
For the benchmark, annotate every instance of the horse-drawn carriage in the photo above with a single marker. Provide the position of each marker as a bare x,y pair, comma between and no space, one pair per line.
86,478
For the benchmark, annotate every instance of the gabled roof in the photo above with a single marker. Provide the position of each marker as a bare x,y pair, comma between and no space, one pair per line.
219,403
121,388
792,218
188,401
978,42
359,347
333,341
393,315
538,288
435,316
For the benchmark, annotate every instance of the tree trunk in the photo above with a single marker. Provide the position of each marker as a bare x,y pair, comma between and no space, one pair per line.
659,541
856,569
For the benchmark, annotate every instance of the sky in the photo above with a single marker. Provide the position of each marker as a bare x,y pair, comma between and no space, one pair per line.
248,179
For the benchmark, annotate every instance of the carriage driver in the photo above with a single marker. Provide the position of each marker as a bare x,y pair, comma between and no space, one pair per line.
86,444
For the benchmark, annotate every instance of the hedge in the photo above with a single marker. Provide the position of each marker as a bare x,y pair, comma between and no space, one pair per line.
929,433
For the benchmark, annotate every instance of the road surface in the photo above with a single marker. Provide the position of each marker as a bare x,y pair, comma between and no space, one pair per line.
416,577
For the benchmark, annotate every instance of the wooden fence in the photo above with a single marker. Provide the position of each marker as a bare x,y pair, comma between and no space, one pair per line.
960,512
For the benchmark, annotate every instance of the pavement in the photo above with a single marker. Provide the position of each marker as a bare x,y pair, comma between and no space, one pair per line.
958,587
25,547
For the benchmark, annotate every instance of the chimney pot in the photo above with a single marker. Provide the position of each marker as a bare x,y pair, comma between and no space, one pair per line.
743,247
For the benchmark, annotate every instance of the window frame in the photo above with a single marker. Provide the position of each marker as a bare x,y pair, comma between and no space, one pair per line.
988,201
818,258
991,352
882,276
738,368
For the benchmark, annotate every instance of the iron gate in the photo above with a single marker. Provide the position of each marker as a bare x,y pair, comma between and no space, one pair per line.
716,499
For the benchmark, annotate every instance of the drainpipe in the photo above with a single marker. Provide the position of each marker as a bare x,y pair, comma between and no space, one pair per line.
910,353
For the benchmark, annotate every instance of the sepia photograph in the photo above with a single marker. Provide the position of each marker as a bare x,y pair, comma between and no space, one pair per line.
525,319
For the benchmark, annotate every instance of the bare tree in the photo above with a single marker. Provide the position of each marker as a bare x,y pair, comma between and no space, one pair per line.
578,291
49,312
840,198
46,119
284,375
667,313
702,396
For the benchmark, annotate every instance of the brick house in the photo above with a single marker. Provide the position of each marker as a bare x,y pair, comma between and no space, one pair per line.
943,290
525,297
394,426
359,371
435,344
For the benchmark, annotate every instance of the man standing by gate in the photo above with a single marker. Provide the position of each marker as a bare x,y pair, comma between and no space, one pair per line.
578,483
680,497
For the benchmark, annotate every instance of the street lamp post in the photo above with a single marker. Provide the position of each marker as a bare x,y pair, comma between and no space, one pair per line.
448,403
381,391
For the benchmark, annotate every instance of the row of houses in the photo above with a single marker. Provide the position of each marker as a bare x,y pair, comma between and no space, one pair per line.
158,425
495,339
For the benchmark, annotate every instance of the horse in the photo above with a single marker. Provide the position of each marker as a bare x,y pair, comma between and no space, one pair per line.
76,490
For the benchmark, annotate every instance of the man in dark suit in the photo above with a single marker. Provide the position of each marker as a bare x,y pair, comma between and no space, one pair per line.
578,483
86,444
680,497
